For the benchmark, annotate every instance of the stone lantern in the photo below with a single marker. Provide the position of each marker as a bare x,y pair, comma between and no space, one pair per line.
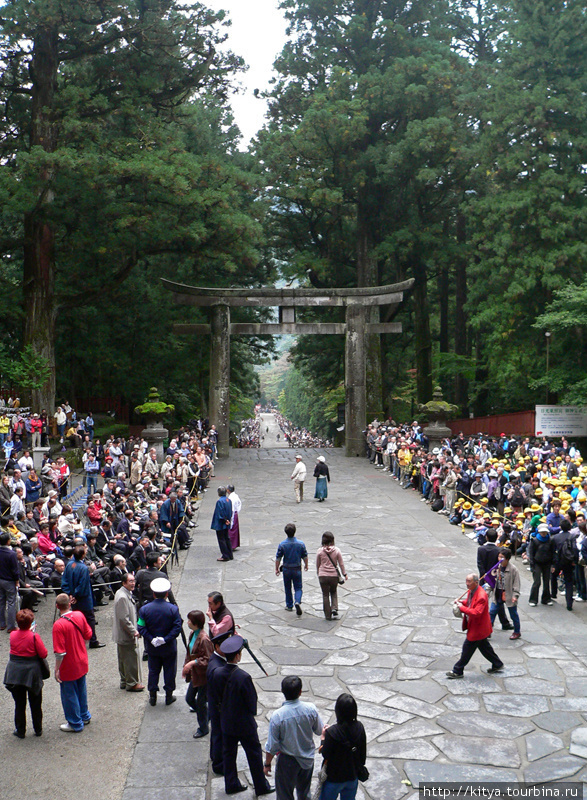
154,410
437,411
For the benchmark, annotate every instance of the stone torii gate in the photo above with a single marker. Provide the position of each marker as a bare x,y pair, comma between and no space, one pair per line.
357,303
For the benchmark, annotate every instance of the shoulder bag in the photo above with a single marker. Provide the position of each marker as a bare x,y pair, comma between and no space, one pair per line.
336,567
362,771
43,663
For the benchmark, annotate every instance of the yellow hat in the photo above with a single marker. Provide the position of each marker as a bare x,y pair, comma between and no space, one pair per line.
519,516
519,525
534,507
495,516
538,492
527,511
581,497
467,506
484,501
581,512
508,510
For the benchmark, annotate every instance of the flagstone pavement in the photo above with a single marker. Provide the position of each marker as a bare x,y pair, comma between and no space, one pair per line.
394,641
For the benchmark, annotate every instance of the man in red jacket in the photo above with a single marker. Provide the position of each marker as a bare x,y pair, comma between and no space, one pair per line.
477,623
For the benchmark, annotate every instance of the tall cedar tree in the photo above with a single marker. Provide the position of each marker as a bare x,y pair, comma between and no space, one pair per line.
97,168
359,150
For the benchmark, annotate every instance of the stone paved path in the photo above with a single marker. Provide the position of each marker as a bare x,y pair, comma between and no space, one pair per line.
391,647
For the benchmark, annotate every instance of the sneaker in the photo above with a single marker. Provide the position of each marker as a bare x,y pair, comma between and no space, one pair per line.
334,612
532,604
578,599
492,670
298,610
68,729
507,627
516,636
453,675
288,608
550,603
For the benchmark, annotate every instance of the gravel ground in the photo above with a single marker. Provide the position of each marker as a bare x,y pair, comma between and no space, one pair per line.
93,764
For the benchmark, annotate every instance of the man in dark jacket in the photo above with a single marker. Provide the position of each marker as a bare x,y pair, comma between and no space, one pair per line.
540,558
145,577
9,578
565,558
217,660
221,523
77,584
238,708
487,557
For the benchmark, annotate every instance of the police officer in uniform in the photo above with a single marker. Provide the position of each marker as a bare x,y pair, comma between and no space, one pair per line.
238,708
159,624
217,660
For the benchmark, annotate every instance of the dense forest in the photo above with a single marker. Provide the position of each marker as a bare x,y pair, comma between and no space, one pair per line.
443,141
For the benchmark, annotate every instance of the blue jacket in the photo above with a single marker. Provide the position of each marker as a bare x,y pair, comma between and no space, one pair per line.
292,551
76,582
222,514
166,516
160,618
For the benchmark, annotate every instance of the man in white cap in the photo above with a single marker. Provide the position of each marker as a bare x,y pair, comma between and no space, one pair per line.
159,624
298,476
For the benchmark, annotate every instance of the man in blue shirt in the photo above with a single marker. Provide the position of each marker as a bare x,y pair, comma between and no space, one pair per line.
221,524
293,552
77,584
290,735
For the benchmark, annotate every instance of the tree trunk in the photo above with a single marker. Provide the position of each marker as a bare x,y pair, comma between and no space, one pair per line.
38,255
423,338
367,275
461,338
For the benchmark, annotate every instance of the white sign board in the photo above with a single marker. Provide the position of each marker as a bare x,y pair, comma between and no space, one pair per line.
556,421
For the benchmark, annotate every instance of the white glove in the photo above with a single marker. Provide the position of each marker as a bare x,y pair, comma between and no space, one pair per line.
158,641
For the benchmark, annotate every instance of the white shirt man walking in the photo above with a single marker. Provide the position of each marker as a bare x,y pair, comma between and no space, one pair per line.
298,476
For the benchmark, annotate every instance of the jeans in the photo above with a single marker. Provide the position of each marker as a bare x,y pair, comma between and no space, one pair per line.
74,699
197,698
347,790
292,575
494,611
92,483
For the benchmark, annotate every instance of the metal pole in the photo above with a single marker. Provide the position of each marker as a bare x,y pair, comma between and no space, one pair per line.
548,335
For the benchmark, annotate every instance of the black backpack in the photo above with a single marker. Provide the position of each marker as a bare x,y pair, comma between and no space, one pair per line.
568,552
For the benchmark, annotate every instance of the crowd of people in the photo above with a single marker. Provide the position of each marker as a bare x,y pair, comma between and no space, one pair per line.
297,437
250,433
527,494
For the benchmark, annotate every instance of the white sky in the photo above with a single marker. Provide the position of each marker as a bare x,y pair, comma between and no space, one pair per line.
258,35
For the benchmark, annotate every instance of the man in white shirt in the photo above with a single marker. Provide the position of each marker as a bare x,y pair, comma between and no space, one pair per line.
298,476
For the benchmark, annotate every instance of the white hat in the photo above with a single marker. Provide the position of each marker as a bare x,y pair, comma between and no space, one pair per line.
298,456
160,585
321,458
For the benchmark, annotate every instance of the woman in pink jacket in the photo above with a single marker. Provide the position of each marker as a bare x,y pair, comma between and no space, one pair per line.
328,563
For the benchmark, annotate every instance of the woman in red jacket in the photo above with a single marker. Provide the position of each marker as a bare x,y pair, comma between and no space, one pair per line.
23,673
477,623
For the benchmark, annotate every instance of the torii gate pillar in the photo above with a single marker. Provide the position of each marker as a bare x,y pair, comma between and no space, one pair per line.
220,375
355,400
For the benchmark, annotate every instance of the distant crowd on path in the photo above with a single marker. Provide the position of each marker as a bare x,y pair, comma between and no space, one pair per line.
530,492
294,436
250,433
